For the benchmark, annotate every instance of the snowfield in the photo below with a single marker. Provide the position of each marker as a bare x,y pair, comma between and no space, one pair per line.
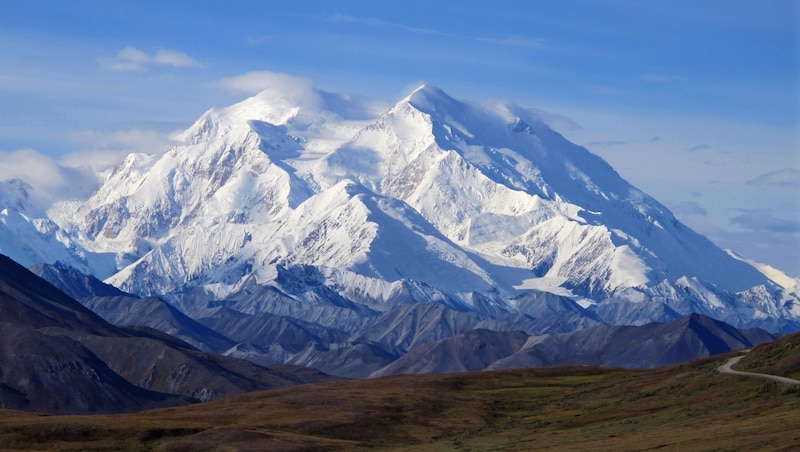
449,198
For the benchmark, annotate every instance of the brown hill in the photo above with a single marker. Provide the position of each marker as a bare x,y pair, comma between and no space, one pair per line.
781,357
684,407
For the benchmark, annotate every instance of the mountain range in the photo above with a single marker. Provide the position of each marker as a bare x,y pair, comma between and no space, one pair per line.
690,406
60,357
303,229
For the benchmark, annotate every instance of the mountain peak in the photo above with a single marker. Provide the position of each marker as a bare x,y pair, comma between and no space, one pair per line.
428,97
466,197
427,89
15,194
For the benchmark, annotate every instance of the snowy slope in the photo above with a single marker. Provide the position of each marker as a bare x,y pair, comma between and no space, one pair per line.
29,239
503,184
464,199
778,277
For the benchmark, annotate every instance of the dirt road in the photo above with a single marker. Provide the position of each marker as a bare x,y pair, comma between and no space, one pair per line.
726,369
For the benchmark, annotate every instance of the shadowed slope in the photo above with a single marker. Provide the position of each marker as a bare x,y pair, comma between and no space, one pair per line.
690,337
57,356
120,308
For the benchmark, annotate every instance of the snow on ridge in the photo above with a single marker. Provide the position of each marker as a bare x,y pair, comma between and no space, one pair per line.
15,195
527,156
778,277
448,193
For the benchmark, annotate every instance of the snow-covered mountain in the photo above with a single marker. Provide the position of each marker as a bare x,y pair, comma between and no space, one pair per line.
30,238
435,199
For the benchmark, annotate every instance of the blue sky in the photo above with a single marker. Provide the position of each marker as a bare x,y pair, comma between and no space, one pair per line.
695,102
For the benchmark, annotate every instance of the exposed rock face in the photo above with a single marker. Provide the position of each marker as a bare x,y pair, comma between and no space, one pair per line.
656,344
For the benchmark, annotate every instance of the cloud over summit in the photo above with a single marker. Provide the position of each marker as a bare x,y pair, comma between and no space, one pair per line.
49,180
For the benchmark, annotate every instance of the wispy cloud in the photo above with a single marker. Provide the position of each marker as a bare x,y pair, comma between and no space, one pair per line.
511,41
50,180
278,87
788,177
762,222
688,208
554,120
374,22
664,78
607,143
518,41
174,59
77,174
256,81
699,147
101,150
131,59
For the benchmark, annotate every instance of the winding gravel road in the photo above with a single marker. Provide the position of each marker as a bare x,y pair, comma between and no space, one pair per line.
726,369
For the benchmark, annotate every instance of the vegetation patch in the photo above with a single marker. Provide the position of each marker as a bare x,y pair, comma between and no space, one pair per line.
777,358
681,407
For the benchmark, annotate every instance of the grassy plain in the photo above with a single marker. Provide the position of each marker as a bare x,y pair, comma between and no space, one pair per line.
781,357
685,407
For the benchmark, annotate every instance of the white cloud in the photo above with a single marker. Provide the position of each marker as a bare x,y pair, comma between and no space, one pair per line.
77,175
95,159
131,59
50,181
256,81
278,88
124,66
103,150
558,122
133,55
175,59
134,140
275,88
